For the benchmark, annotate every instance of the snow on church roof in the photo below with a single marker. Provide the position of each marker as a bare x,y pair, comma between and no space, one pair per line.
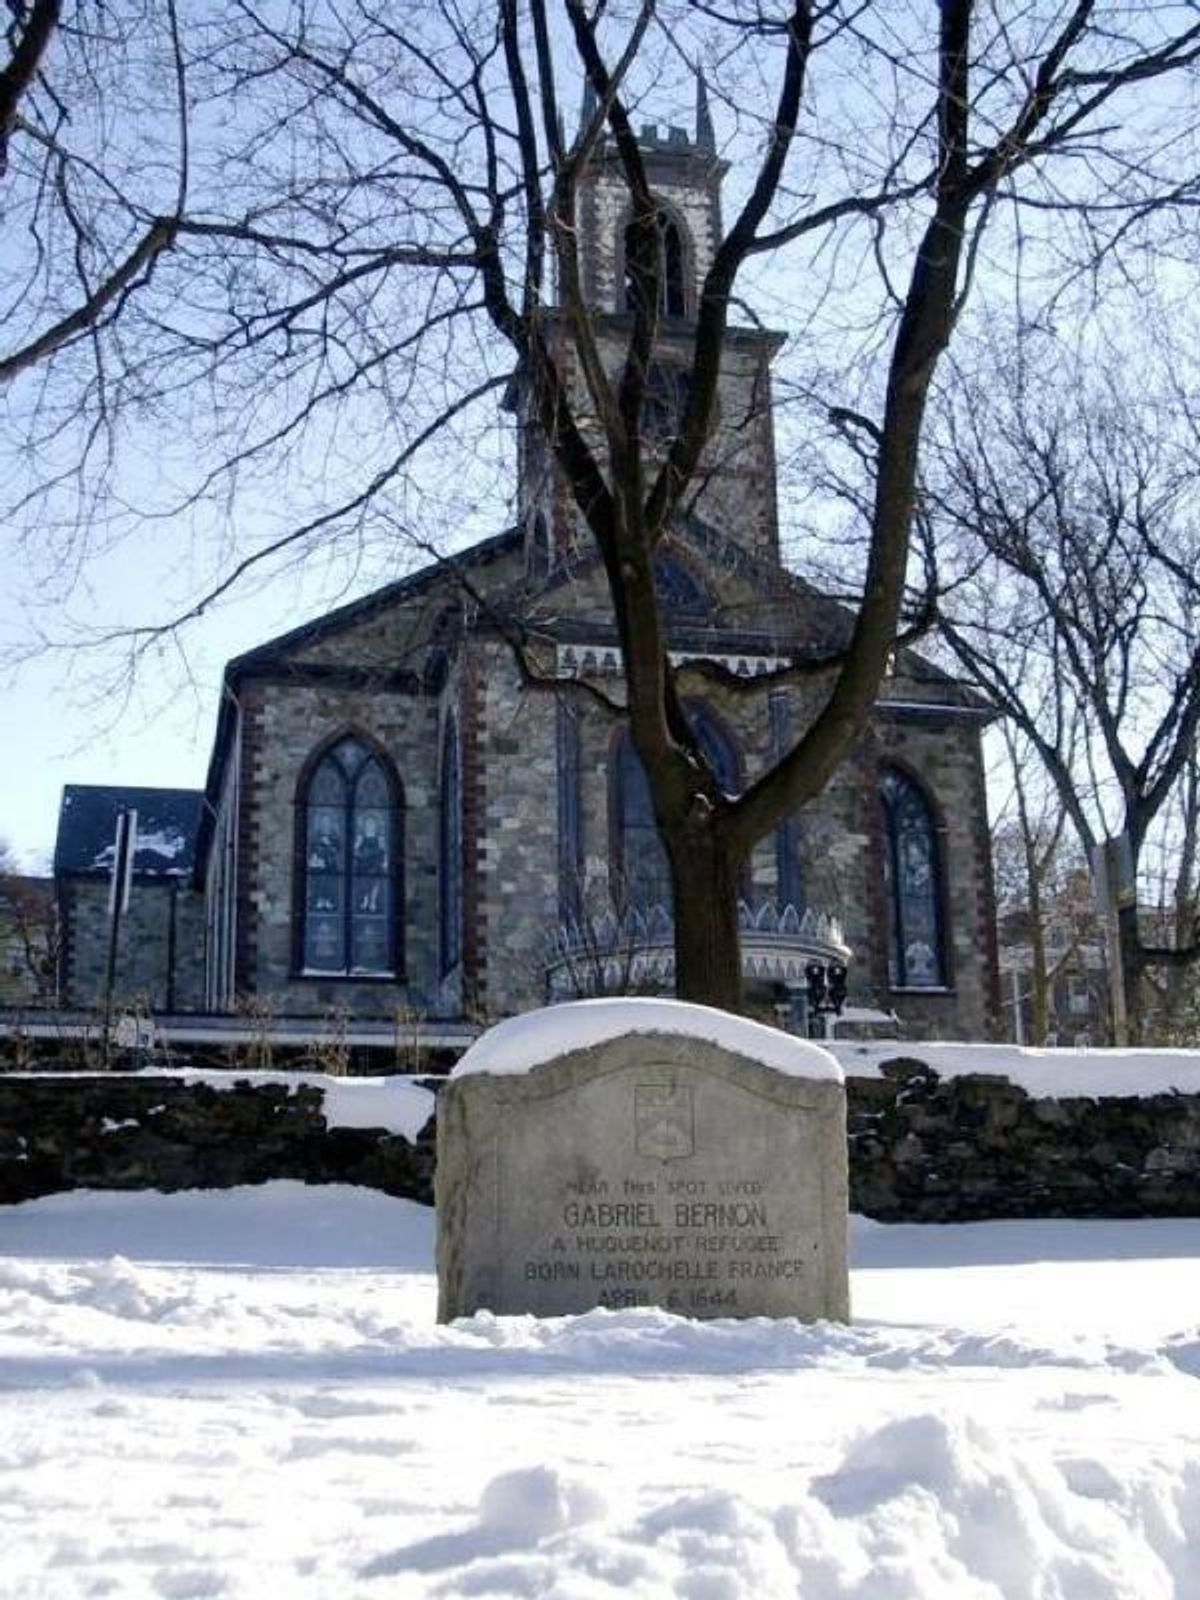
167,823
522,1043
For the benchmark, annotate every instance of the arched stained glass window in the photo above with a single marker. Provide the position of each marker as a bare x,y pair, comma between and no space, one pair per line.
539,546
450,850
350,864
912,869
644,874
680,592
672,300
664,402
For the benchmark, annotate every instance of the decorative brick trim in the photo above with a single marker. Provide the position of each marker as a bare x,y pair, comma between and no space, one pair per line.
570,817
65,979
588,221
988,941
253,748
474,830
768,486
869,762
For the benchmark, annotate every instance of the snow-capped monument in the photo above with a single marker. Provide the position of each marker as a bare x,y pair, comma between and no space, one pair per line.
642,1152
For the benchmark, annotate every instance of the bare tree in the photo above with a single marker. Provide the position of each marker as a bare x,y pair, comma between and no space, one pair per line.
1026,855
1171,907
28,928
1062,515
387,216
87,213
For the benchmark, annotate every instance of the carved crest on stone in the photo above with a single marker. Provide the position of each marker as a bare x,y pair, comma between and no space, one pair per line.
664,1120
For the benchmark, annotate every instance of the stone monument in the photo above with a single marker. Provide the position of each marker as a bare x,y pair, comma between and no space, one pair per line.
642,1152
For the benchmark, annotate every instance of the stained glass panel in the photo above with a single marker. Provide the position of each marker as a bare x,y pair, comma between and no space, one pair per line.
350,755
371,790
370,839
450,851
326,833
328,787
347,891
645,870
911,867
324,946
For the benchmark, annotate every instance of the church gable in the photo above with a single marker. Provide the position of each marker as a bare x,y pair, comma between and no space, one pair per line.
707,582
387,635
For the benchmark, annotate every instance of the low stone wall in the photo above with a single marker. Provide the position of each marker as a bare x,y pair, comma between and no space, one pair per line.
118,1132
922,1148
958,1149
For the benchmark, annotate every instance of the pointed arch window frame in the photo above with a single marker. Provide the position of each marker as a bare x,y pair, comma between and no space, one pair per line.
627,780
345,873
907,921
667,216
450,848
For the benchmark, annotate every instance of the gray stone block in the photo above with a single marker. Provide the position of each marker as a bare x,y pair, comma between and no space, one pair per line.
652,1169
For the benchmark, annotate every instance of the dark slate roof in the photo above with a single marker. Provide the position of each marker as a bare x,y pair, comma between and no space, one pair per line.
168,821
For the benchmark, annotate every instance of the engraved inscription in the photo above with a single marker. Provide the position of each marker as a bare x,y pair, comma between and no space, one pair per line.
686,1243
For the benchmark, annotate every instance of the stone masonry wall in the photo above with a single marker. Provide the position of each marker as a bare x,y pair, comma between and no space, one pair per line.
922,1149
153,969
516,832
928,1149
116,1132
291,721
944,754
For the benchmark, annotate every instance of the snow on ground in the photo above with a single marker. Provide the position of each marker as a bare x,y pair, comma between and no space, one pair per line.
244,1394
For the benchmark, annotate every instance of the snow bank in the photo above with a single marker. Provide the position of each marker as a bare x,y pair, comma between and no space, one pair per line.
279,1224
524,1042
1050,1074
300,1426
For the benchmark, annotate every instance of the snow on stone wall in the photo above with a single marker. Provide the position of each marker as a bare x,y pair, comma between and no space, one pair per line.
923,1147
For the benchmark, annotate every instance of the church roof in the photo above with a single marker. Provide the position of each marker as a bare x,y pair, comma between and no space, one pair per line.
413,584
168,822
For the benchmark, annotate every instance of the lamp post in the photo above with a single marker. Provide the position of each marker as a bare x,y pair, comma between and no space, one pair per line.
825,992
124,848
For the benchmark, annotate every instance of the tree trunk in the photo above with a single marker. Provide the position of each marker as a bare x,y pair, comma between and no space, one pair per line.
1129,945
1039,973
706,878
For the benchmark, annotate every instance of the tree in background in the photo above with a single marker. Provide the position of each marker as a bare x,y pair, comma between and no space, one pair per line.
1170,914
88,204
28,932
375,220
1049,926
1061,515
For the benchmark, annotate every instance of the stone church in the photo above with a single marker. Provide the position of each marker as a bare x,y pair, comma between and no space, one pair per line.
397,819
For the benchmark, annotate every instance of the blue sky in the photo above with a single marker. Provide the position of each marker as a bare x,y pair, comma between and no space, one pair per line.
77,718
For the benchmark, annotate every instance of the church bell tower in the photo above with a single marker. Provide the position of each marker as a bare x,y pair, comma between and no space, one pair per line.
738,496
